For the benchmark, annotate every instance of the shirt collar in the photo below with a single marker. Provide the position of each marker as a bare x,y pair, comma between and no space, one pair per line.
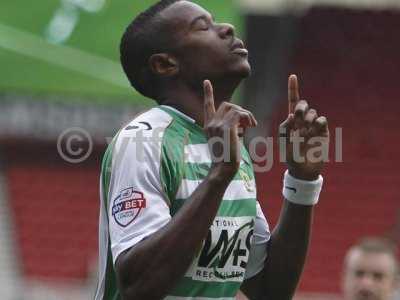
180,113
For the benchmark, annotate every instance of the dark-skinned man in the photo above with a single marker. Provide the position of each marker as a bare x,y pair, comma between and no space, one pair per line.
179,217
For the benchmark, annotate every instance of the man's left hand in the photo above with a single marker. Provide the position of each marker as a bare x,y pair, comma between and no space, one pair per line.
307,136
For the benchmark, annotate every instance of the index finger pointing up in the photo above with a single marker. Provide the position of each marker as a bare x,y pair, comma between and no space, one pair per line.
293,93
209,106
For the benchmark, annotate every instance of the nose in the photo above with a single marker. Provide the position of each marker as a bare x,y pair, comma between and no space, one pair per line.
226,30
366,282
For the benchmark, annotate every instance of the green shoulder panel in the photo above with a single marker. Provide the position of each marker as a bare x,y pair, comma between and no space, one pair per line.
172,160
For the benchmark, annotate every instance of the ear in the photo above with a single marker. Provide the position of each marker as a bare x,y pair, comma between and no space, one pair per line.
163,65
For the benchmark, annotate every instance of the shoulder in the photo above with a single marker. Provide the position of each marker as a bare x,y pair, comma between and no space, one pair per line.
138,143
147,122
150,119
147,128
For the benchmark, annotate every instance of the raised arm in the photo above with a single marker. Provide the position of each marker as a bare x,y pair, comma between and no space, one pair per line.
287,248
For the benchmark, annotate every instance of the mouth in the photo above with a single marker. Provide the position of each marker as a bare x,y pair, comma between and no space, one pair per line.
238,48
365,295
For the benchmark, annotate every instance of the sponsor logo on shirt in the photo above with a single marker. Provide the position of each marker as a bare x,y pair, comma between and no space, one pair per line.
225,251
140,125
127,206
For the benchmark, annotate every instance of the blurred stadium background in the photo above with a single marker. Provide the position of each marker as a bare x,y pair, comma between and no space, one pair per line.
60,70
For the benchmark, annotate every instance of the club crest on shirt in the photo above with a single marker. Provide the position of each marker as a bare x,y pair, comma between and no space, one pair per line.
127,206
246,180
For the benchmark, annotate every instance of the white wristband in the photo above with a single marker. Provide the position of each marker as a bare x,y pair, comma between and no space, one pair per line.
301,192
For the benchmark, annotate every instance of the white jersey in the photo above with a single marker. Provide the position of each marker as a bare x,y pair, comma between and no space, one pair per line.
149,171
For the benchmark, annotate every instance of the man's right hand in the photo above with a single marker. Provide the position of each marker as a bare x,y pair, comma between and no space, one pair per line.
223,127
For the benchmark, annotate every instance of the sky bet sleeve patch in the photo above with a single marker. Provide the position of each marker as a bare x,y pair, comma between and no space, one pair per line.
127,206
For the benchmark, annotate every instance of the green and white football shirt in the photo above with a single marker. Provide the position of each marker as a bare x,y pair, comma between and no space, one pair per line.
149,171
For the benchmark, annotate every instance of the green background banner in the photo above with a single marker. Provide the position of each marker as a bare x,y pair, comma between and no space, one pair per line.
86,62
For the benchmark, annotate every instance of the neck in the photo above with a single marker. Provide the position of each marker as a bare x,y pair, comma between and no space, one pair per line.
190,100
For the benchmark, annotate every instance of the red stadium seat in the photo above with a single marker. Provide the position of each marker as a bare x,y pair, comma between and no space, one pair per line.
56,213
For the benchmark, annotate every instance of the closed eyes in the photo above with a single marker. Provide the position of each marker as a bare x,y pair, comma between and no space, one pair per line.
202,22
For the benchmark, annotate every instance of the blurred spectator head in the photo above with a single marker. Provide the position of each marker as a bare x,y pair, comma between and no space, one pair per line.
371,270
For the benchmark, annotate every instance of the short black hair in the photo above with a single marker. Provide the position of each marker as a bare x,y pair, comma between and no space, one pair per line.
145,36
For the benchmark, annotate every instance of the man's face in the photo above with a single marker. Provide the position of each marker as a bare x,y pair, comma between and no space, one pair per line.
204,48
369,276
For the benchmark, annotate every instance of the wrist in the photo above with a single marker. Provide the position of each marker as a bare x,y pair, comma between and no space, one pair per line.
222,174
301,192
302,175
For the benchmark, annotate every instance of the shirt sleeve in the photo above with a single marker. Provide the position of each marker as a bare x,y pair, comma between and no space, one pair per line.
258,249
138,206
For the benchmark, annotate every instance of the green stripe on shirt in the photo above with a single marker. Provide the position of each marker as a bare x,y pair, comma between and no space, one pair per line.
188,287
238,208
